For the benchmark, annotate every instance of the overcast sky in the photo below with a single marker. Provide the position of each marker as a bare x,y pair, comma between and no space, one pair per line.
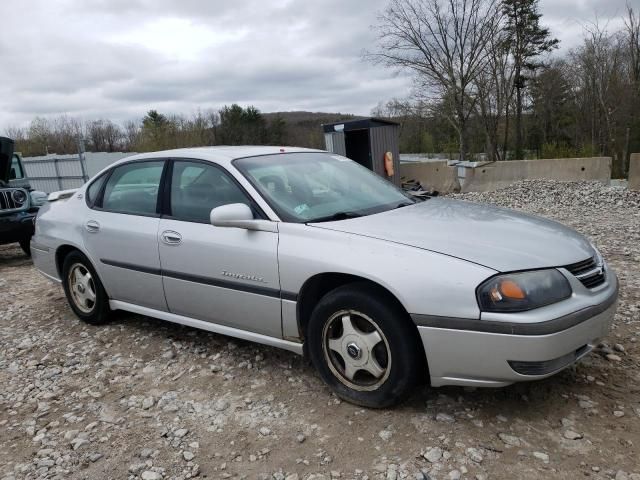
119,58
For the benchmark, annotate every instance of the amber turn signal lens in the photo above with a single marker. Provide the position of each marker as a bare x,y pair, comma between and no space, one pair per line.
511,289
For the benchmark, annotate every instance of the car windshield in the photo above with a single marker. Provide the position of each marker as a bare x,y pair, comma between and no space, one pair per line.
316,187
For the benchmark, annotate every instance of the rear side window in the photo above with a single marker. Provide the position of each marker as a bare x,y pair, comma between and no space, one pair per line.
133,188
94,189
197,188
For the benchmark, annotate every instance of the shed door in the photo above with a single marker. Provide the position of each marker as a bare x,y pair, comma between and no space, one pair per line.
335,143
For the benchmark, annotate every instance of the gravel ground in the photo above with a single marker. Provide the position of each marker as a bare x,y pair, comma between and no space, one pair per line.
140,398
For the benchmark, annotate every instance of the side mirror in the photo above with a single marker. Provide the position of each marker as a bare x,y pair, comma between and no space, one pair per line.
239,215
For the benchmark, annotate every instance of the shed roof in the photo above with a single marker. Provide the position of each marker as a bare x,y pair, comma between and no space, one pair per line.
359,124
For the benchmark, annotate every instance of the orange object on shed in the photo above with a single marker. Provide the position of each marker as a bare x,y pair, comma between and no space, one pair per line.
388,164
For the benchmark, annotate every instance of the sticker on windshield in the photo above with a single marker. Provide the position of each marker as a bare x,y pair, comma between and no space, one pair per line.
301,208
339,158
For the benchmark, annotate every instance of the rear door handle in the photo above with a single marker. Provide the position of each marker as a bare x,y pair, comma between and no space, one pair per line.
92,226
171,238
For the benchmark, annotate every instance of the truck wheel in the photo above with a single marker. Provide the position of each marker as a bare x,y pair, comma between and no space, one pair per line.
25,245
364,346
83,289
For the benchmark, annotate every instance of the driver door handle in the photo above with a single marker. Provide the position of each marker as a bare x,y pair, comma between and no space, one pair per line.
171,238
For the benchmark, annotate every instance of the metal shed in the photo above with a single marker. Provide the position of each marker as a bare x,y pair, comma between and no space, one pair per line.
366,141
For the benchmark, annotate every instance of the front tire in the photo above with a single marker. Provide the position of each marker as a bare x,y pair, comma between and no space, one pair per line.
364,346
25,245
85,293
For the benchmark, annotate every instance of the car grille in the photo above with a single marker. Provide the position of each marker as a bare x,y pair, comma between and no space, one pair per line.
6,200
589,272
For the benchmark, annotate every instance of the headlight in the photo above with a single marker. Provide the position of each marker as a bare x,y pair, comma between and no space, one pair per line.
519,292
599,258
19,197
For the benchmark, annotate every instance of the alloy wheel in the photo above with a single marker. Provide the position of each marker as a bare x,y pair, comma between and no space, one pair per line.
82,288
356,350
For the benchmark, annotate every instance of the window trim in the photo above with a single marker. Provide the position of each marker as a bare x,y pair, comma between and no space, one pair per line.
106,174
97,204
166,213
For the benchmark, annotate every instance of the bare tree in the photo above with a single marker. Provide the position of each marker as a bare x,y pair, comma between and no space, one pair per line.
632,27
444,42
601,58
495,93
131,136
16,133
104,136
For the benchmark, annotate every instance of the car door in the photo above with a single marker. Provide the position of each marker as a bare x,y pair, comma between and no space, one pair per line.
227,276
121,232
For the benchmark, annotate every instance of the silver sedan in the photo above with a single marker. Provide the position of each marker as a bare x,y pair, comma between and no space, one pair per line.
311,252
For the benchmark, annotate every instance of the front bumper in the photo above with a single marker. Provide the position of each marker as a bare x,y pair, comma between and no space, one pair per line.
16,226
494,354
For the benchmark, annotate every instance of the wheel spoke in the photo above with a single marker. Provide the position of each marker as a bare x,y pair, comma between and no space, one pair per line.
335,344
89,294
371,339
373,367
349,370
347,326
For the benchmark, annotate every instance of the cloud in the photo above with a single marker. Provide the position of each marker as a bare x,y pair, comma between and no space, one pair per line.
119,58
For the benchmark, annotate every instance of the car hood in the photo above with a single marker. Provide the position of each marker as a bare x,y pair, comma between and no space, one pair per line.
6,154
498,238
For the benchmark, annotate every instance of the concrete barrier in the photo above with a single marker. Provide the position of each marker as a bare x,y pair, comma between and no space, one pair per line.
502,174
432,175
492,176
634,172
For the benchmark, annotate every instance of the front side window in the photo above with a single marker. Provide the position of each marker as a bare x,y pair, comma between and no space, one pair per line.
315,187
16,169
197,188
133,188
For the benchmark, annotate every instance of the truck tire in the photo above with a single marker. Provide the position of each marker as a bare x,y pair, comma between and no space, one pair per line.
25,245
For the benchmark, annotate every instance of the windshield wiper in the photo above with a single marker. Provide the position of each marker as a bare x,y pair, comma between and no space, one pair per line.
335,216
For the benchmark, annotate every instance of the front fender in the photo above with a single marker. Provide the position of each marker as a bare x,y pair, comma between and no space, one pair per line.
424,282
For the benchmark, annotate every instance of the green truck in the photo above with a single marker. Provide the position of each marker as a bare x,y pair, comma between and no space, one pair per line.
19,203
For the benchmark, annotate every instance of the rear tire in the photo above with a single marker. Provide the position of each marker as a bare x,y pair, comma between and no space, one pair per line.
364,346
25,245
85,293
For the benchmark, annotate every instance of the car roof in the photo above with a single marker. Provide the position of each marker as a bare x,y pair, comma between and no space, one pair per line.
222,154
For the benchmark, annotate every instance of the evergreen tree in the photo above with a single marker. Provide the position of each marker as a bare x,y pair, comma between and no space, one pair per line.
277,130
154,130
527,40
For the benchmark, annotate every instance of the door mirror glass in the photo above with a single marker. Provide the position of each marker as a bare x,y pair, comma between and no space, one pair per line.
233,215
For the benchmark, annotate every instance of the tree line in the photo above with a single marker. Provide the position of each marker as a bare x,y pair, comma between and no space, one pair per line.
232,125
486,81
